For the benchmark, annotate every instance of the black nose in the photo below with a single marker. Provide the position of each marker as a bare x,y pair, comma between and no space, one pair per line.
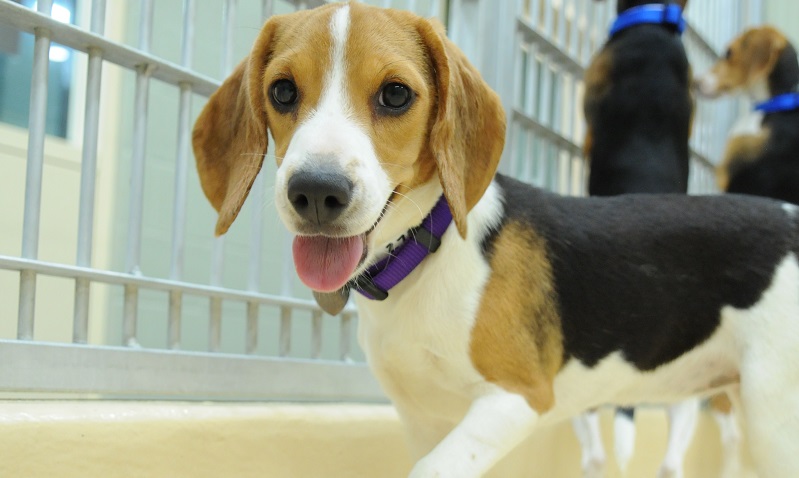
319,195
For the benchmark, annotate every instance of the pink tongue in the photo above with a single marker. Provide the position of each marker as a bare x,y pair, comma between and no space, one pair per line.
325,264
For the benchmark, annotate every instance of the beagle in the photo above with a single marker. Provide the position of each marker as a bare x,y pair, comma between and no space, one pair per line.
762,153
638,104
487,307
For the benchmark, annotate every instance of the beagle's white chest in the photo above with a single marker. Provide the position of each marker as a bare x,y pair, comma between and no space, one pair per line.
417,341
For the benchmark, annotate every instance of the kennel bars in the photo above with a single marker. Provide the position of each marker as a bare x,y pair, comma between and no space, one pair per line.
533,52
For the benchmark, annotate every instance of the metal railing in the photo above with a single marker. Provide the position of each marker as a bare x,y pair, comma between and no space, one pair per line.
129,370
547,45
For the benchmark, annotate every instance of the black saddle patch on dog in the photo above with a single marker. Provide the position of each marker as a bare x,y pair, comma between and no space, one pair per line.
648,275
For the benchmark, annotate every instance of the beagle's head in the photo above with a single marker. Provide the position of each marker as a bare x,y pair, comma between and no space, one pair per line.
373,112
760,62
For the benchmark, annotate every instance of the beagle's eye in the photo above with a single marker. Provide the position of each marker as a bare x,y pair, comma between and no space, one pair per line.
284,94
728,54
395,96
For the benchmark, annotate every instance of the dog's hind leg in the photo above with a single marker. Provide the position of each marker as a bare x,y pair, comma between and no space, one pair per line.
769,372
771,413
682,424
722,412
624,437
589,434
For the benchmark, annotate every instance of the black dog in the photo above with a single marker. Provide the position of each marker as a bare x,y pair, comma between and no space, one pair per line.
638,103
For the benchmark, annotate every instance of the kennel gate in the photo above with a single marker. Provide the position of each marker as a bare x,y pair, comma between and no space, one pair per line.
547,45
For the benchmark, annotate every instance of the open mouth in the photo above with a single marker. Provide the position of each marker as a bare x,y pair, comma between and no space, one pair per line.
325,263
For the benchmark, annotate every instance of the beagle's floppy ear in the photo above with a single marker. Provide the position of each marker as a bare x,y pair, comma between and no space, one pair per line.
230,135
763,47
468,131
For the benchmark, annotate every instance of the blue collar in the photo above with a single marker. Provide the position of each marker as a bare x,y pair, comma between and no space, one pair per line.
779,103
658,14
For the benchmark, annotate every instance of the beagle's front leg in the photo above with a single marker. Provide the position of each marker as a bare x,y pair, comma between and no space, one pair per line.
493,426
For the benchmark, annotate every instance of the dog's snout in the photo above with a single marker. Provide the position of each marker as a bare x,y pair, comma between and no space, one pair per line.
319,195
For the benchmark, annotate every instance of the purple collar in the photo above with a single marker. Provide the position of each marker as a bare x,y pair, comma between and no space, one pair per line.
420,241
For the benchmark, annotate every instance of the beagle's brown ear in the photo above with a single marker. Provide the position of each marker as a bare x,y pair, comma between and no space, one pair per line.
468,131
764,45
230,135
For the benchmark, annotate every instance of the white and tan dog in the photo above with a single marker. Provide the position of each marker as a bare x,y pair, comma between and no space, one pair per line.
531,307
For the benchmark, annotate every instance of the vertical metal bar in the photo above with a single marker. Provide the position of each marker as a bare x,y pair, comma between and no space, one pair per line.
526,159
532,84
251,344
217,267
435,9
228,25
453,21
218,249
256,236
535,14
345,339
174,319
286,290
181,172
256,243
135,213
215,326
215,310
267,9
33,174
585,47
80,324
548,22
574,46
561,41
556,116
316,334
520,79
285,332
545,92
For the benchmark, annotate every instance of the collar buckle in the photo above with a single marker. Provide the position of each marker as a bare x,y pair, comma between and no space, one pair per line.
365,284
425,238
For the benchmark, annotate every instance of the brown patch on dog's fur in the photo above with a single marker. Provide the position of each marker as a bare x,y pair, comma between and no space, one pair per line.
739,151
588,142
597,85
517,341
721,403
